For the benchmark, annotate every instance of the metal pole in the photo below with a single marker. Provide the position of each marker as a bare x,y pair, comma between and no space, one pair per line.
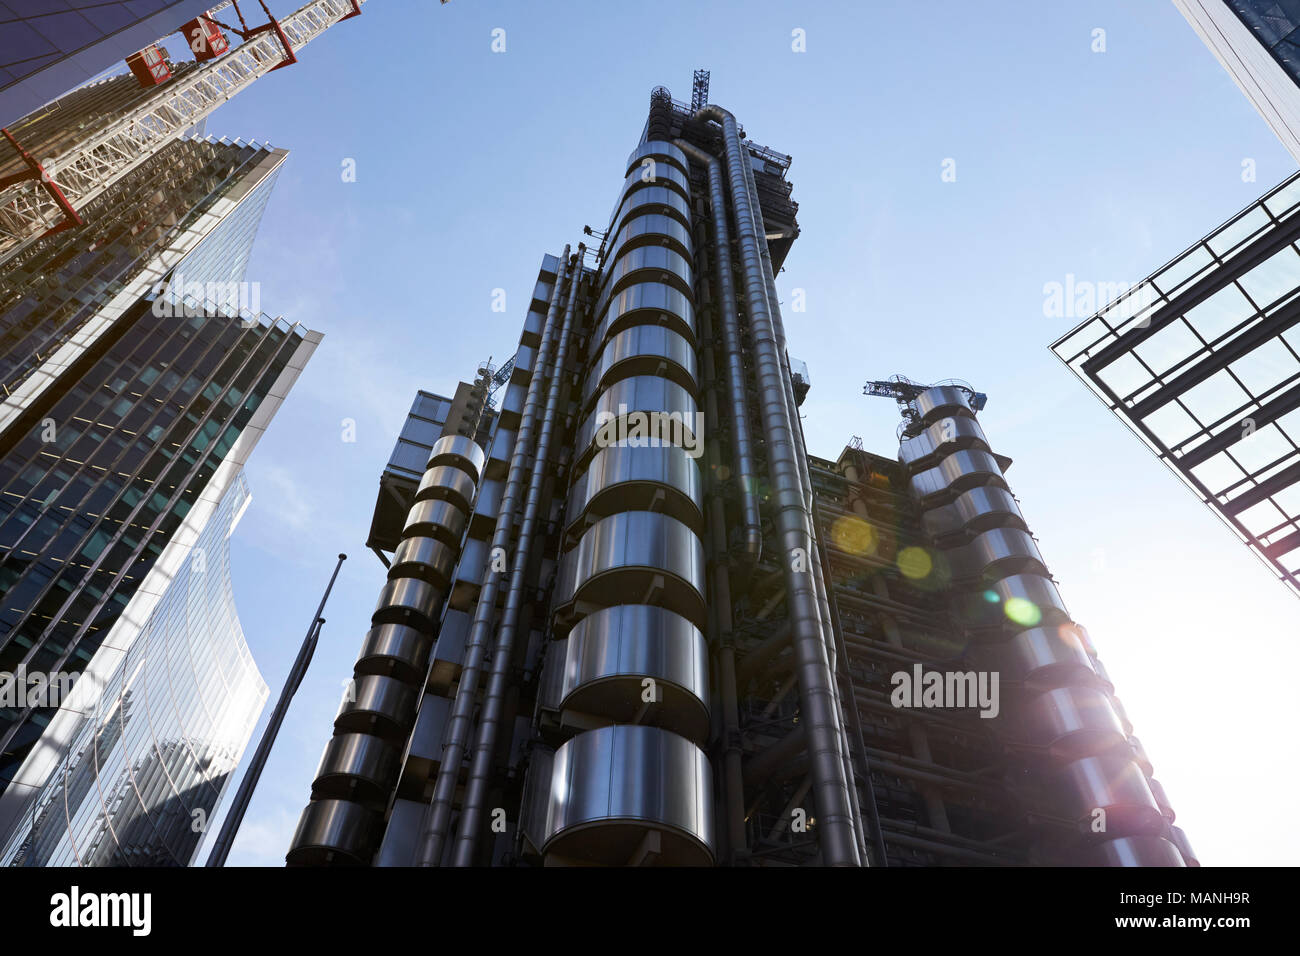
226,838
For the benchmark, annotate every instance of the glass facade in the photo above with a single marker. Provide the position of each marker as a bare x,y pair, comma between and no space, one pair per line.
1276,24
48,48
423,427
132,445
119,418
1257,44
149,764
1202,362
135,233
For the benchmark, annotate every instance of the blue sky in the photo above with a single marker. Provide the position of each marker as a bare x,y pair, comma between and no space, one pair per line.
471,164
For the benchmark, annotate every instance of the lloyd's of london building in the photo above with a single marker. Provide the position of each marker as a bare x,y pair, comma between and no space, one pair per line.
640,625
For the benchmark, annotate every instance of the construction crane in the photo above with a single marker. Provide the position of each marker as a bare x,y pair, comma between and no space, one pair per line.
904,391
497,376
50,193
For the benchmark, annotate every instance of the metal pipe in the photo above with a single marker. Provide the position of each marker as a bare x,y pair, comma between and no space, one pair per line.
438,815
480,769
806,489
805,481
732,779
742,443
230,827
838,837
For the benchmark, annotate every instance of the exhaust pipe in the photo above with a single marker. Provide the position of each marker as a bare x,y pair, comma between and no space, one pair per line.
438,816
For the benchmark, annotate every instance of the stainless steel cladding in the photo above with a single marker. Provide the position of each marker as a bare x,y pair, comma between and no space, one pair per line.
638,790
627,794
638,478
447,483
333,833
1059,718
362,761
636,552
649,302
605,662
644,350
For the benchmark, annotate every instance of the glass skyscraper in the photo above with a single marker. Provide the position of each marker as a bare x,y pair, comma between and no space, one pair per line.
1258,43
152,754
47,49
125,417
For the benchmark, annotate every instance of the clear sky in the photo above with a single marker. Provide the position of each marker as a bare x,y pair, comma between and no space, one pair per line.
472,164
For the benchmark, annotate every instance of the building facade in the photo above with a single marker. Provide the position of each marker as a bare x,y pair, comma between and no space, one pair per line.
1257,42
47,49
129,407
431,417
156,745
641,625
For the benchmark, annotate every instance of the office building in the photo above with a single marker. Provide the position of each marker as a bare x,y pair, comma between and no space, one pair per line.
1200,360
153,751
641,625
1258,43
47,49
129,406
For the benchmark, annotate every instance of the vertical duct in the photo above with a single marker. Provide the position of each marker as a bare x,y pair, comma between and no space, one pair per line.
741,441
494,699
805,482
438,815
827,746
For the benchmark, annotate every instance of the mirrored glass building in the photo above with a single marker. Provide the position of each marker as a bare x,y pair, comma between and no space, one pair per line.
1258,43
48,48
152,753
129,401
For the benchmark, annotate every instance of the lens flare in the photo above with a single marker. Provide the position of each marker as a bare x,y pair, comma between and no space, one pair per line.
915,563
1023,612
853,535
992,597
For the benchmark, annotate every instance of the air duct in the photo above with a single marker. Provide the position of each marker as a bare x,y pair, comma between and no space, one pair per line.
741,441
494,699
826,740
